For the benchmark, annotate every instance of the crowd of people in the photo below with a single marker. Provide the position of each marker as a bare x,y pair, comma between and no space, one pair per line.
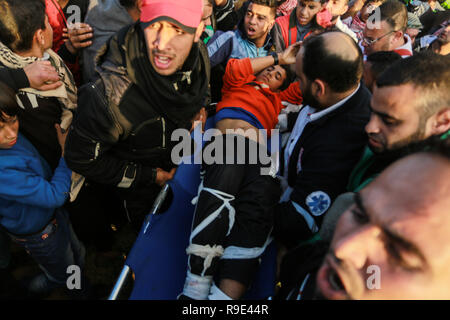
92,90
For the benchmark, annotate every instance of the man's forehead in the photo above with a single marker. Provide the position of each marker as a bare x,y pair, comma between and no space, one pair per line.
394,99
259,9
376,29
391,198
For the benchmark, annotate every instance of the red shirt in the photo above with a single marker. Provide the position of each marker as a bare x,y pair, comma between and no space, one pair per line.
241,90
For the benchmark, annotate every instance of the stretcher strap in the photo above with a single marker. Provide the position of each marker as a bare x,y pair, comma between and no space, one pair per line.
226,198
206,252
233,252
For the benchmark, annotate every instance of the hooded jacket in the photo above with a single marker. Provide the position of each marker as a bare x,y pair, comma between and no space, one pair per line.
119,137
29,192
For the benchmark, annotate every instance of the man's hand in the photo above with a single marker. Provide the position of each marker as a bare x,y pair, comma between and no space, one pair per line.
220,3
289,55
163,176
42,76
61,137
77,36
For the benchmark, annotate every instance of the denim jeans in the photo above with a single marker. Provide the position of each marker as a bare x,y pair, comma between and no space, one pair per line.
55,248
5,254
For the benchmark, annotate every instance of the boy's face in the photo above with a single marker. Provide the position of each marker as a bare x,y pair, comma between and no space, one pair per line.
273,76
258,21
306,11
8,132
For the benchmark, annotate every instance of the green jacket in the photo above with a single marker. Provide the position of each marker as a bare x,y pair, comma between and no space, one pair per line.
358,179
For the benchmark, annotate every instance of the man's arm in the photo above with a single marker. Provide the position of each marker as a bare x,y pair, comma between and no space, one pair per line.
286,57
40,75
94,132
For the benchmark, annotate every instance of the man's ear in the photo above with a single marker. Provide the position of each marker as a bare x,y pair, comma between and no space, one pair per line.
318,88
399,34
440,122
199,31
271,24
39,37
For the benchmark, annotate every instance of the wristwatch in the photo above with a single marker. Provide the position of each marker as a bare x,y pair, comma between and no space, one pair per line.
275,58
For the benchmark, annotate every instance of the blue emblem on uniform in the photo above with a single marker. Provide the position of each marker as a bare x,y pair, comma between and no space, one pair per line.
318,202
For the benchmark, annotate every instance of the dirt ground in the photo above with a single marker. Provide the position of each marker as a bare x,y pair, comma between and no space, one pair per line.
102,270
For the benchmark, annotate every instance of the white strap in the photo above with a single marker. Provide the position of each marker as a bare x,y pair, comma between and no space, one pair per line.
206,252
226,198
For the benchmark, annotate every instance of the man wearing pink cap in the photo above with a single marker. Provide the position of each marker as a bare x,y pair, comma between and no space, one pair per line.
152,79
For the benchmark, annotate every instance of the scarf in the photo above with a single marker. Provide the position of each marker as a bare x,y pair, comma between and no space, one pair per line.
66,94
177,97
286,7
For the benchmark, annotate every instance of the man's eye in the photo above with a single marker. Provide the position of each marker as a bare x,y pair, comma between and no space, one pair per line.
359,216
401,258
389,122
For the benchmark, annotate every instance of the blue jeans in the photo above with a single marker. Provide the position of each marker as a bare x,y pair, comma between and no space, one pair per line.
5,254
55,248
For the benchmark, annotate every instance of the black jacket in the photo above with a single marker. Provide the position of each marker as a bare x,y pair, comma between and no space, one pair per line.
117,137
327,150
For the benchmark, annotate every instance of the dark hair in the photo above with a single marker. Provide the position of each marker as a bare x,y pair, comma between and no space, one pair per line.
128,3
381,60
19,21
8,103
290,77
339,73
273,4
426,71
394,13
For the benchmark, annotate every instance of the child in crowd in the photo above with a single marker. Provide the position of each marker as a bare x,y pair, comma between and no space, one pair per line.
31,198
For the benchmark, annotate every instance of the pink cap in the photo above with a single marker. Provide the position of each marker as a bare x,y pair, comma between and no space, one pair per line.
187,14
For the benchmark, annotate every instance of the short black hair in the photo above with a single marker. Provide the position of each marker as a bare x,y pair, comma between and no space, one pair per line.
19,21
8,103
394,13
273,4
128,3
381,60
428,72
290,77
339,73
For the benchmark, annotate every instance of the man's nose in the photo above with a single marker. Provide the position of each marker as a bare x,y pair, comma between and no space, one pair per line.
355,246
163,37
372,126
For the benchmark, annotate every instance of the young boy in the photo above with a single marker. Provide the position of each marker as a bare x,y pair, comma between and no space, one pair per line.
233,217
31,198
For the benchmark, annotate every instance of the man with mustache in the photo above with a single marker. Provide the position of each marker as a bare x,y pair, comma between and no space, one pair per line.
410,104
391,244
328,137
153,80
388,33
250,40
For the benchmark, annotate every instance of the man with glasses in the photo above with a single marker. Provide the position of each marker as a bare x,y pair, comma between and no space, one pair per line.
386,30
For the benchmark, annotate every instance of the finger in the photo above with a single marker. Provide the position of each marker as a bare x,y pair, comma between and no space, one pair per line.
52,77
51,86
44,63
